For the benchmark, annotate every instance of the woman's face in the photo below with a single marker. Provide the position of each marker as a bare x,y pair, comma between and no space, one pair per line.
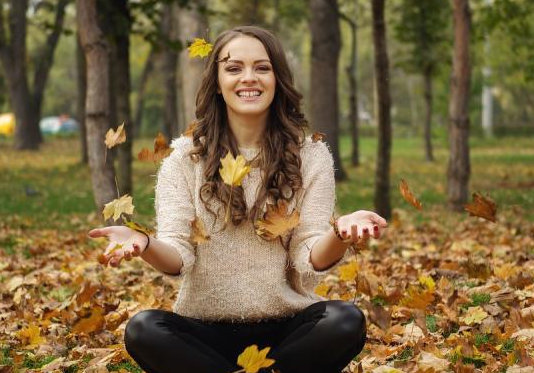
246,79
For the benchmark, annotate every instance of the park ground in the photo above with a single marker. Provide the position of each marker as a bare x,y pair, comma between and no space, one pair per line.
437,279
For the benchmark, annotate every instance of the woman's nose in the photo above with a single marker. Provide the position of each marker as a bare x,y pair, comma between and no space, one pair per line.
249,75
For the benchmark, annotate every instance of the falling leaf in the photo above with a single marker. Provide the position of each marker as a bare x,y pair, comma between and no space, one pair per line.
137,227
233,170
276,221
408,195
199,47
30,336
161,150
322,290
483,207
117,207
348,271
318,136
474,315
115,137
198,232
252,360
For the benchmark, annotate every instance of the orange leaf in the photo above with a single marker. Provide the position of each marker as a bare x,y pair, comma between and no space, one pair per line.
161,150
91,322
276,221
198,232
416,298
408,195
483,207
115,138
318,136
189,131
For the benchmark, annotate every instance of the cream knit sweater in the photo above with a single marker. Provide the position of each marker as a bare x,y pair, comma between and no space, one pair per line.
237,276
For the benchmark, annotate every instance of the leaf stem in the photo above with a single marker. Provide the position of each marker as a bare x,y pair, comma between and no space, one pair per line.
229,203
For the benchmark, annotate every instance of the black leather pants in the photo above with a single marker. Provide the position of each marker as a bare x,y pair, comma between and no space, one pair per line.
323,338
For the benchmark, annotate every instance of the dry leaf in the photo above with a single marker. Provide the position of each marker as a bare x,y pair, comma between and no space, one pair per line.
115,138
322,290
416,298
276,221
474,315
348,272
137,227
199,47
408,195
161,150
483,207
233,170
117,207
91,322
252,360
30,336
189,130
428,360
318,136
198,232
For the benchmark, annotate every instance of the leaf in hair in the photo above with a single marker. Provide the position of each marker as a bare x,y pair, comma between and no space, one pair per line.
200,48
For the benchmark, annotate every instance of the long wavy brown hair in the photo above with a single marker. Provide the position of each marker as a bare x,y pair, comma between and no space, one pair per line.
279,155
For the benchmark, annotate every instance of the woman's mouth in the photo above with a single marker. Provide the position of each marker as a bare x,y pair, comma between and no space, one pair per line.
251,95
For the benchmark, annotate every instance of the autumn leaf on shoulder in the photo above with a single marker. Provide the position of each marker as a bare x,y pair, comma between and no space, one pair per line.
199,47
117,207
483,207
252,360
161,150
318,136
408,195
115,137
233,170
276,221
198,232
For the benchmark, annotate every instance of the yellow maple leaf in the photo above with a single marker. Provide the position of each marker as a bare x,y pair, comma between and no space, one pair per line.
322,290
474,315
199,47
92,321
30,336
233,170
427,282
417,298
115,137
252,360
137,227
117,207
276,221
348,271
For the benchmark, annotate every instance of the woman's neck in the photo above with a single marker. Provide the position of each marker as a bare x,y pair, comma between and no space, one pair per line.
248,130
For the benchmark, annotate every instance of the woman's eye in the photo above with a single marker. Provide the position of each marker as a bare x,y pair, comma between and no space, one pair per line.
232,69
264,68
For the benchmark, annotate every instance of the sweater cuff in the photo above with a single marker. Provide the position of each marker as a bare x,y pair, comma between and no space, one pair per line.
188,259
304,264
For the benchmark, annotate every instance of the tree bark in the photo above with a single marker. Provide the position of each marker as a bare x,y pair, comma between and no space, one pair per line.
427,76
140,104
459,167
170,66
382,195
95,48
326,45
82,89
13,57
192,24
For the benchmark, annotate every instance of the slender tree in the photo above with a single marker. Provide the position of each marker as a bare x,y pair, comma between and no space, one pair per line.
26,101
324,104
459,167
148,68
383,157
95,47
81,71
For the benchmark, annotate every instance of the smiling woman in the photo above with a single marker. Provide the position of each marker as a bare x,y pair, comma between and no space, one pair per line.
243,286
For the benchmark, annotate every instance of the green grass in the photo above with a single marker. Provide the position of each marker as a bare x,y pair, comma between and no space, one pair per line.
503,168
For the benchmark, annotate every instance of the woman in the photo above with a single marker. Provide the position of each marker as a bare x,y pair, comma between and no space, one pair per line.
240,287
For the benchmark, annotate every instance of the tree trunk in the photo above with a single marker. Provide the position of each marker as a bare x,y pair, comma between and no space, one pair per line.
427,76
192,24
170,65
147,71
82,90
382,197
459,168
97,105
326,44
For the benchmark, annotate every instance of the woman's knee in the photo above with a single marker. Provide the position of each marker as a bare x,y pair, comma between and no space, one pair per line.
348,319
137,327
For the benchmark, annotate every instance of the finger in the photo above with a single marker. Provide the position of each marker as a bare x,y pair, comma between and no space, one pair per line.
128,255
365,233
98,232
137,250
354,233
376,232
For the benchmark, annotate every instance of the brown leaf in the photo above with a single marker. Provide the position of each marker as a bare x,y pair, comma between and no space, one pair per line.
483,207
408,195
276,221
93,321
115,137
198,232
161,150
189,130
318,136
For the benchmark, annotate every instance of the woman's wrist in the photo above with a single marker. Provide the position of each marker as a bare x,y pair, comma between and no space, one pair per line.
337,233
147,242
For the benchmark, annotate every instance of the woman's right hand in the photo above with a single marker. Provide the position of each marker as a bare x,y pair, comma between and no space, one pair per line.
133,243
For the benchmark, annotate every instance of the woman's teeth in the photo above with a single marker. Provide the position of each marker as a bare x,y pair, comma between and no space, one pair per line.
248,93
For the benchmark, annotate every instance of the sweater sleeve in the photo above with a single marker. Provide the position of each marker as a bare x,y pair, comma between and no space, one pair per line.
175,207
316,210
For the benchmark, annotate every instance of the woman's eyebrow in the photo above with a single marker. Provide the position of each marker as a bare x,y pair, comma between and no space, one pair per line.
241,62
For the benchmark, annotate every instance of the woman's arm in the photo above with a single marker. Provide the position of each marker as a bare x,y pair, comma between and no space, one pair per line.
163,257
327,251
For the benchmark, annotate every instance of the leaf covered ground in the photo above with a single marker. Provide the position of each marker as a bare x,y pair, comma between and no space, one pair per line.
441,291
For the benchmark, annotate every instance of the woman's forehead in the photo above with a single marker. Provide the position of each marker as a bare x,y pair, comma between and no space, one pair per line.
244,48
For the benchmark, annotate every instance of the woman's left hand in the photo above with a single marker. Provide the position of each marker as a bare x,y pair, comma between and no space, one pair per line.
361,225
